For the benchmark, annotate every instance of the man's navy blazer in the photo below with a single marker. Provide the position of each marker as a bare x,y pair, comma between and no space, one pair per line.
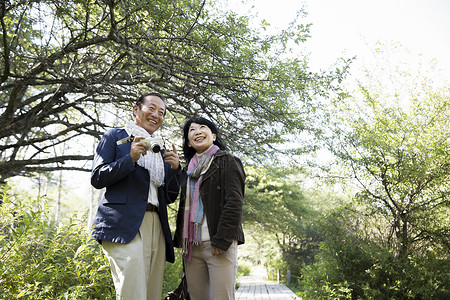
121,211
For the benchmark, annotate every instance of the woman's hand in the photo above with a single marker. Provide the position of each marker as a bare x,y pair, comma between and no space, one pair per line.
217,251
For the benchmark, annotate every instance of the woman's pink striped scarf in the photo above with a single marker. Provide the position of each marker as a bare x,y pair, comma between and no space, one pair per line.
193,209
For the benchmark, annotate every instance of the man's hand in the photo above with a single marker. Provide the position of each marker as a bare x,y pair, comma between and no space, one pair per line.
171,157
138,148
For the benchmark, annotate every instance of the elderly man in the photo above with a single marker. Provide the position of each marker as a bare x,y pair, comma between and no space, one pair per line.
131,221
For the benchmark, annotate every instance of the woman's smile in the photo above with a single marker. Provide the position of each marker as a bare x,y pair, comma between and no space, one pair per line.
200,137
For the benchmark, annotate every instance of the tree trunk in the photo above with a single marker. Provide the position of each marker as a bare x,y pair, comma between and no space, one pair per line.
58,200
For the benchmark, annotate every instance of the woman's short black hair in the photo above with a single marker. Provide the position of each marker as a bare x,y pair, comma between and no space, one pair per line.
189,152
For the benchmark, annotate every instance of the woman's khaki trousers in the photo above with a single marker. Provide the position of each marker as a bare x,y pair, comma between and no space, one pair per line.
212,277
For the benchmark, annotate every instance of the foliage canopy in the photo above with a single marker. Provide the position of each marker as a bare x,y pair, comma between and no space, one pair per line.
70,68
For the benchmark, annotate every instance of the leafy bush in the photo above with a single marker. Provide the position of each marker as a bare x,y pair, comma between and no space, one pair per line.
41,261
172,275
244,269
421,277
350,266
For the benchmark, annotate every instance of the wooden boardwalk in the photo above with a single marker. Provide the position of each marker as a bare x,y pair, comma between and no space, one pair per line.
255,287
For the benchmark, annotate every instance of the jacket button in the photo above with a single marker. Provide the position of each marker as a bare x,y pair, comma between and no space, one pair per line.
218,187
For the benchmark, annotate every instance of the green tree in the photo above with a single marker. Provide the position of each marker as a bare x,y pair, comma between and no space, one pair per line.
68,68
391,141
395,142
276,207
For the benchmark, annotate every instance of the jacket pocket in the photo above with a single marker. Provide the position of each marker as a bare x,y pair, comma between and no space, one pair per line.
115,196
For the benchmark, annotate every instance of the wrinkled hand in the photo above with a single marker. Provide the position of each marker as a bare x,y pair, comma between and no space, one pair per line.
171,157
138,148
217,251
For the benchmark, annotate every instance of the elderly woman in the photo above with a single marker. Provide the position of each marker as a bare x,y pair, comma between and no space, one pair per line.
209,219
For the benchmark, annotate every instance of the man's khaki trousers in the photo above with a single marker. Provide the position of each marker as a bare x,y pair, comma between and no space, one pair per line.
137,268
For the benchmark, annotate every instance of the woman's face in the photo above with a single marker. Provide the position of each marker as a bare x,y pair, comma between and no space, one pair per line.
200,137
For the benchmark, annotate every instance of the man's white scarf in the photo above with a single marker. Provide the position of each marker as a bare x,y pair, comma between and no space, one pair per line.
153,162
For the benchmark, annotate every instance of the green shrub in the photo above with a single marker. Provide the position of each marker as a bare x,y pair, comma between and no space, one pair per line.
40,261
244,269
172,275
352,267
421,277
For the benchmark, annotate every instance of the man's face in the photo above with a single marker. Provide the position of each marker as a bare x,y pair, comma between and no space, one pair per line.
151,114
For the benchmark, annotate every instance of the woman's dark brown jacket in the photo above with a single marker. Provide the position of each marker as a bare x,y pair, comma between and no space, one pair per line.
222,193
